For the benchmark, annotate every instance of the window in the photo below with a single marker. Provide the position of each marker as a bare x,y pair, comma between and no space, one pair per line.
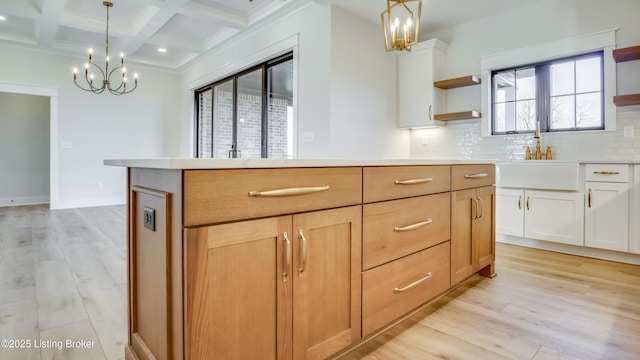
248,114
562,95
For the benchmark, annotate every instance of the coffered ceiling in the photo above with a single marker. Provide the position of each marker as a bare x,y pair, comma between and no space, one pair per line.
185,28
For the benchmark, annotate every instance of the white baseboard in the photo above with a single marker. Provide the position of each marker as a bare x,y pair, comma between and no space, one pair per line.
80,203
24,200
623,257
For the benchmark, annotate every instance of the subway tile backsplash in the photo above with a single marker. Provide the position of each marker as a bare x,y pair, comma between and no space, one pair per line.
463,140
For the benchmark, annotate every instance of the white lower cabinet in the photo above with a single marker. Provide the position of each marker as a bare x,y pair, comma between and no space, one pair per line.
555,216
509,211
607,216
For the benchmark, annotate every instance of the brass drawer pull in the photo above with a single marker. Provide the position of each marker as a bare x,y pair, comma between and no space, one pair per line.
606,172
413,227
413,181
303,252
413,284
287,256
475,176
290,191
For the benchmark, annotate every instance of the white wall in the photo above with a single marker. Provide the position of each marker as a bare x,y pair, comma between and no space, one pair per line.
540,22
345,83
98,126
363,92
24,149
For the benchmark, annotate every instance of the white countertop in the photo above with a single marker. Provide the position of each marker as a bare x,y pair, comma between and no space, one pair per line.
194,164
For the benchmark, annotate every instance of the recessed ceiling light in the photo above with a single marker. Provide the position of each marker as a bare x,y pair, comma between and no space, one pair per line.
2,18
162,50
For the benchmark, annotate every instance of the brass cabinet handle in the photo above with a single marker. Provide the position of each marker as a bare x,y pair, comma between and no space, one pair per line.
303,252
519,202
475,199
475,176
589,198
528,198
413,181
287,256
413,284
413,226
606,172
290,191
481,207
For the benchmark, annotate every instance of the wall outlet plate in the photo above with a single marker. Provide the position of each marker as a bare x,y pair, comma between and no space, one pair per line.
628,131
149,218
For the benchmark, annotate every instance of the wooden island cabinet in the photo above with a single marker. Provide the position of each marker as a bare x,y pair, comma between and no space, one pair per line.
295,259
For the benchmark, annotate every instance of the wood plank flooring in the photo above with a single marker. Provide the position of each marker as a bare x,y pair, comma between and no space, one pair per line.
63,276
542,305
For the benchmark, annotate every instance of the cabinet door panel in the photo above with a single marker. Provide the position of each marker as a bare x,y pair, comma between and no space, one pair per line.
607,216
510,211
327,255
238,304
463,212
554,216
485,231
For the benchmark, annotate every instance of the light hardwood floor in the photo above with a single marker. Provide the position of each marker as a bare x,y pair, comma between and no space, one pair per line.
63,276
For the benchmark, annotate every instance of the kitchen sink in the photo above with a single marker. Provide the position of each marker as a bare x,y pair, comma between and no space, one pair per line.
544,174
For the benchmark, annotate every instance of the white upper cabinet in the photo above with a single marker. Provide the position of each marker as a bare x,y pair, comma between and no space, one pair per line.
418,99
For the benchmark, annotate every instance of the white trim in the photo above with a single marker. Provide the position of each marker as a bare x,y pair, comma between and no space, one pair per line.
80,203
602,40
570,249
24,200
52,93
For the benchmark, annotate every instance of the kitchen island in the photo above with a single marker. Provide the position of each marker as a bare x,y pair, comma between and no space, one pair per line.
295,259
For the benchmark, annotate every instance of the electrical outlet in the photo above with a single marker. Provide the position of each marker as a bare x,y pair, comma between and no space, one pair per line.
628,131
100,186
149,218
425,140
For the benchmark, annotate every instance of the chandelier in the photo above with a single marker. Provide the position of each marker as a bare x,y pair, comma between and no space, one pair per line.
105,73
407,13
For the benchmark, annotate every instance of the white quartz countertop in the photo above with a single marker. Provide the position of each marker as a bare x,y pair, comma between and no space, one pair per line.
194,164
587,161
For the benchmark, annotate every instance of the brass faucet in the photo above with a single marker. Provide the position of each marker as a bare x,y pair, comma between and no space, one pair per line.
538,153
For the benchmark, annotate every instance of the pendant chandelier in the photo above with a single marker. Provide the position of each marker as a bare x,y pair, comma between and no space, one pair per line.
106,74
405,13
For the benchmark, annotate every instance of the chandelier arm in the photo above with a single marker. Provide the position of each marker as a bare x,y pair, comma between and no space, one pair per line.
95,89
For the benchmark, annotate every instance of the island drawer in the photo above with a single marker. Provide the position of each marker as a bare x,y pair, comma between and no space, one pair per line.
394,182
472,176
392,290
393,229
225,195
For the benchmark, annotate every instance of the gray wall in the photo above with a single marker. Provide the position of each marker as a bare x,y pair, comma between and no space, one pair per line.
24,149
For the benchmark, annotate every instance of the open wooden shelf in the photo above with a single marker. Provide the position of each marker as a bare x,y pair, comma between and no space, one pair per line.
457,82
627,54
622,100
621,55
458,116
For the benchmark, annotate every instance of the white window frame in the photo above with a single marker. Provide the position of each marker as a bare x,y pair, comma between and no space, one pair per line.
603,40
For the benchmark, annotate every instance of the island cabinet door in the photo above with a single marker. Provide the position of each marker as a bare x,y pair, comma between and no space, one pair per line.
239,290
326,286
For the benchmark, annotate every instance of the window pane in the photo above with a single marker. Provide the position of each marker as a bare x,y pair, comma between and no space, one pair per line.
526,111
563,112
526,84
500,116
588,110
205,125
588,77
250,115
222,119
280,107
562,78
504,86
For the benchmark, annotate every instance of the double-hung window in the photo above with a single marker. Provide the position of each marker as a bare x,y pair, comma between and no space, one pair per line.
561,95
